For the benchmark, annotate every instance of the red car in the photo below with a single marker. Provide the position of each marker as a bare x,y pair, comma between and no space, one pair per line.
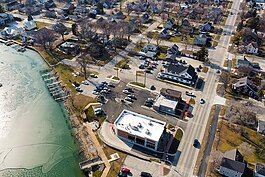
125,170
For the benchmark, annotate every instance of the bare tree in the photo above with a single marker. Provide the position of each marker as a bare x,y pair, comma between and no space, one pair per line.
45,38
158,39
60,29
87,31
83,61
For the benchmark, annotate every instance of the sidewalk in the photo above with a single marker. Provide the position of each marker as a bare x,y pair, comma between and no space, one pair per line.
100,151
107,135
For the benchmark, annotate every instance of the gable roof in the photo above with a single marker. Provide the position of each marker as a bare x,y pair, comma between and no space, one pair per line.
260,168
233,165
234,154
178,69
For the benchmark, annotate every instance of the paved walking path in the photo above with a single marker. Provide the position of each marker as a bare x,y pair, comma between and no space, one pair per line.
100,150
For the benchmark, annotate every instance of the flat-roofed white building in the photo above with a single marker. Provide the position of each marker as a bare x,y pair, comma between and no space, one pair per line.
139,129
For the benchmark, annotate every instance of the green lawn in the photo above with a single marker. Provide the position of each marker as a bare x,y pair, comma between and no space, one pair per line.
42,24
138,84
231,138
175,39
123,64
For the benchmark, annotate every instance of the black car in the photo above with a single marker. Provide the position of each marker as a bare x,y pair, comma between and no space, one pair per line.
145,174
129,89
196,143
152,87
121,174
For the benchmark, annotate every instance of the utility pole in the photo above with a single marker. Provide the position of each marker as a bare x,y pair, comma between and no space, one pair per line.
145,79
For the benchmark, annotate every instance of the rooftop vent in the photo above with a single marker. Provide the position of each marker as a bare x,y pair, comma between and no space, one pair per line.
135,128
150,123
139,125
147,132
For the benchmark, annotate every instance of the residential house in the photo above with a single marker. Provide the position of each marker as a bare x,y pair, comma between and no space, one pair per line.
146,18
252,48
259,170
188,53
11,5
170,23
5,19
174,49
29,25
155,8
12,31
150,48
49,4
207,27
170,102
164,33
118,15
171,57
261,127
246,87
50,14
70,48
68,8
200,40
185,23
108,4
232,164
246,63
179,73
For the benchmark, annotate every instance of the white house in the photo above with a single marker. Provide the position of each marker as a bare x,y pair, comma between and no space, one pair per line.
12,31
29,25
252,48
259,170
179,73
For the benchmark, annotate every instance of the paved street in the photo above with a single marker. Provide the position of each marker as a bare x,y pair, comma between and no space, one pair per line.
197,126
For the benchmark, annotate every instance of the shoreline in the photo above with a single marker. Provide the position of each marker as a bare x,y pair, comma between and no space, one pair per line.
85,146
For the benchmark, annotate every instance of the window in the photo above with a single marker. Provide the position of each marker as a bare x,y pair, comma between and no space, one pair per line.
131,138
140,141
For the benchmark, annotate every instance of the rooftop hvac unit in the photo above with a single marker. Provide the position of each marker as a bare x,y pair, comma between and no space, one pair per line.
139,125
147,132
150,123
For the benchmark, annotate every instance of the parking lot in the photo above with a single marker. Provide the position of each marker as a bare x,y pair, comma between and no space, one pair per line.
136,166
115,105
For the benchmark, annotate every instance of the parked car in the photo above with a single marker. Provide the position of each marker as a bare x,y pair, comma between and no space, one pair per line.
152,87
125,170
132,96
142,57
95,92
218,71
93,75
111,85
190,93
78,89
196,143
148,71
129,89
128,99
76,84
145,174
202,101
121,174
141,66
125,91
85,82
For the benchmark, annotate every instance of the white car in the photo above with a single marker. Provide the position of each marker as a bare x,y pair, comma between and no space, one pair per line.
190,93
126,91
95,92
85,82
202,101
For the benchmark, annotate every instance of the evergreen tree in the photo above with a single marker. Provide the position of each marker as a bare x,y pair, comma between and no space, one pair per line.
202,54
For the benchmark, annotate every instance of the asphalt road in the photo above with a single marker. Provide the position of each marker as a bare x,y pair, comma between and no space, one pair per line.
197,127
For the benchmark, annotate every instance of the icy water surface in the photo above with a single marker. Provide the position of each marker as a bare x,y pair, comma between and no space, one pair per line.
35,139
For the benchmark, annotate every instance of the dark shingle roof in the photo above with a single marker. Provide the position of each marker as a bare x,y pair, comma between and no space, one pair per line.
177,69
260,168
233,165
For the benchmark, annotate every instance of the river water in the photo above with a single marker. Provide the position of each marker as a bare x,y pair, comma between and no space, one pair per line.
35,138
